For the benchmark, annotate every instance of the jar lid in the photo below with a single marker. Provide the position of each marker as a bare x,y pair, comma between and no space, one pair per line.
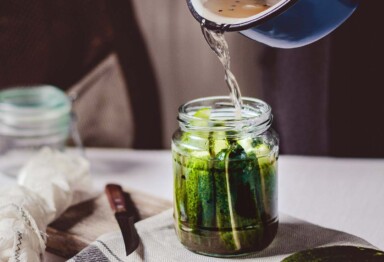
33,104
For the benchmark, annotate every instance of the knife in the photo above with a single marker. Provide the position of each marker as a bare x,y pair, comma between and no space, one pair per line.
124,216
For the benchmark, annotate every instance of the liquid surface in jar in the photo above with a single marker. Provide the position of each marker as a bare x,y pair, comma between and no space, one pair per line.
236,8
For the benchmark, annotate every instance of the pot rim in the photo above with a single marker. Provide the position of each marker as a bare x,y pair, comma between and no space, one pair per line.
273,12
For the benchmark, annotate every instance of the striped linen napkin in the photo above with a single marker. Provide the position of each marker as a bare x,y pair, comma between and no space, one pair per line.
160,244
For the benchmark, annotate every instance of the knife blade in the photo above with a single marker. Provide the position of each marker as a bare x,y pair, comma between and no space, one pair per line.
124,216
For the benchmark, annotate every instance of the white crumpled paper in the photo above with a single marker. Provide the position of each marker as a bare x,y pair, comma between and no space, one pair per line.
48,184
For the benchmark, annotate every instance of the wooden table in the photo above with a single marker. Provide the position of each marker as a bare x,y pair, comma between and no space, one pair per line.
343,194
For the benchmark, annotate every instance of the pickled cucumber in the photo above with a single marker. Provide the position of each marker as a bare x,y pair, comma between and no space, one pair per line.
225,193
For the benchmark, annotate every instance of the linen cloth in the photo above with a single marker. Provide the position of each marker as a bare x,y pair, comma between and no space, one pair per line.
48,184
160,244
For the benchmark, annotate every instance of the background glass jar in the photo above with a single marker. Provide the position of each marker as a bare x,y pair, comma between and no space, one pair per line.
225,177
32,118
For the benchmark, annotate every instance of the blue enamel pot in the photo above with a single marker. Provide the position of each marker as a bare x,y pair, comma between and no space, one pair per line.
286,24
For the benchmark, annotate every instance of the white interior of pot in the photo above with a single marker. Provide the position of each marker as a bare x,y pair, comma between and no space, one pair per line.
199,6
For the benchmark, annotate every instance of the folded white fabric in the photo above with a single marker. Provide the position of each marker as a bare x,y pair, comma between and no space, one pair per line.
159,243
47,185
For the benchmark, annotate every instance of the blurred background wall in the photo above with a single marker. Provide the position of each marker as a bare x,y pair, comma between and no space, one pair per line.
131,63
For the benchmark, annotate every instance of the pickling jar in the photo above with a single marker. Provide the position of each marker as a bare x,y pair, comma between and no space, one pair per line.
225,176
32,118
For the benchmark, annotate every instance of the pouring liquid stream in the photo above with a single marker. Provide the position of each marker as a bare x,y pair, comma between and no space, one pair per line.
219,45
215,38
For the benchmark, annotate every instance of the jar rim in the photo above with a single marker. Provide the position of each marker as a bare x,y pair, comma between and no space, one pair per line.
33,104
255,114
34,111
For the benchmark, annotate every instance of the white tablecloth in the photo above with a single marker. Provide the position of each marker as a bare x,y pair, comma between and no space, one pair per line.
342,194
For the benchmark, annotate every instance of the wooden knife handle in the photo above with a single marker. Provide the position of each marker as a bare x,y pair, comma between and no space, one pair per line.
116,198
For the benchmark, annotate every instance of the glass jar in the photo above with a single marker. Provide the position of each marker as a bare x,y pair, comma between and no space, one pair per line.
225,177
32,118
